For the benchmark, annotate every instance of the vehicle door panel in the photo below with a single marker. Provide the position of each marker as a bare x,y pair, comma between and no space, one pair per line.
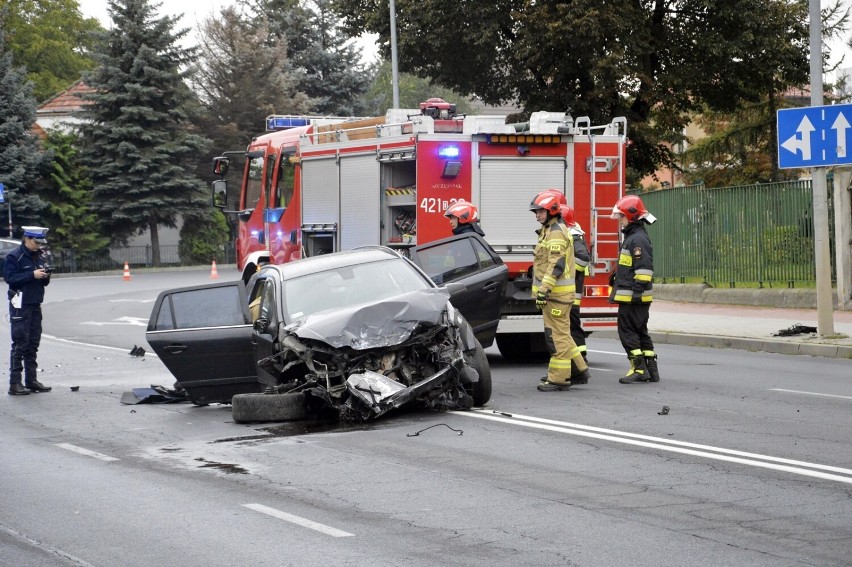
468,260
203,335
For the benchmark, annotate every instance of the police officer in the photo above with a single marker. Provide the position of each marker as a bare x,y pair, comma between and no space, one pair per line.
463,218
632,289
27,275
581,262
553,290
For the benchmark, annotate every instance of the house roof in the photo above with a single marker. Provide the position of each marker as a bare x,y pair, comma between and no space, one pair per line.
66,102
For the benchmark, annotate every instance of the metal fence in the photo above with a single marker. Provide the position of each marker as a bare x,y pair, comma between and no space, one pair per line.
68,261
759,235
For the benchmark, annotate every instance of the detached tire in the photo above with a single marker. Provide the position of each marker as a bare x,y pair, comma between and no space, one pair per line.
479,391
247,408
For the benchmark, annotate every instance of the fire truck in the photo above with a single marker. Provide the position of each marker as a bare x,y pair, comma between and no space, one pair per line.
314,185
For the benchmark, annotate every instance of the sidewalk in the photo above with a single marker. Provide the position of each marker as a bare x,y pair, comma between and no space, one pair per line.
748,328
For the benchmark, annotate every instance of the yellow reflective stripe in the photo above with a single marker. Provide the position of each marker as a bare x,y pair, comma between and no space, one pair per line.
559,363
548,281
625,259
643,277
564,288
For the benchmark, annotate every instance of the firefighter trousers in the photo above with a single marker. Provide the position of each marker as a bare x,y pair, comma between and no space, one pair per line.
633,327
560,344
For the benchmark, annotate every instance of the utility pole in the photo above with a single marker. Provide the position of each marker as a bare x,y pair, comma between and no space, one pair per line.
825,321
394,64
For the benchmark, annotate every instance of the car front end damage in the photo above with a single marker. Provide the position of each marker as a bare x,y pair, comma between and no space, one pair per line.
370,359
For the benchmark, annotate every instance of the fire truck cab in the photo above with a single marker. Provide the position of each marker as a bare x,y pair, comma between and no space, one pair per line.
313,185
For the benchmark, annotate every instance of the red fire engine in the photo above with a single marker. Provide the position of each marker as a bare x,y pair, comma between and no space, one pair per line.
316,185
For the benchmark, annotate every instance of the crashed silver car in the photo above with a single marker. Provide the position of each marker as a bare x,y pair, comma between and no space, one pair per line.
359,333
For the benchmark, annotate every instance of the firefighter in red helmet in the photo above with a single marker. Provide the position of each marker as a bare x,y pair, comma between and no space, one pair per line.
632,289
463,218
553,290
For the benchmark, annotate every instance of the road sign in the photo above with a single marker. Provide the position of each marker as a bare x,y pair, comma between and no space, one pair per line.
814,136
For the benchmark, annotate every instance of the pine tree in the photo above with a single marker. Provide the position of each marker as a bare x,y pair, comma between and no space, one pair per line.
68,194
332,73
139,144
22,161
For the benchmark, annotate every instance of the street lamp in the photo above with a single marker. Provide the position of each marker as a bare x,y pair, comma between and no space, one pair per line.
394,65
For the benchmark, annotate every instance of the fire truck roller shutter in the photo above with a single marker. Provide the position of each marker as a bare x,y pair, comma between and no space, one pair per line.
359,201
505,188
320,191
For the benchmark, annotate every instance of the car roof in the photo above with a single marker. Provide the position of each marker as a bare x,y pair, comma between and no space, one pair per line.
314,264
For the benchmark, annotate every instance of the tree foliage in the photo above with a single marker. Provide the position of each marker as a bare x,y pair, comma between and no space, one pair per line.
329,64
140,148
68,192
22,161
654,61
51,39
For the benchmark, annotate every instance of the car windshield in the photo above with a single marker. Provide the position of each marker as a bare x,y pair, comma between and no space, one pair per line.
348,286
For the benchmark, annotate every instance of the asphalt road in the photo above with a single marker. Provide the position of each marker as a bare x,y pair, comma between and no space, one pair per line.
751,464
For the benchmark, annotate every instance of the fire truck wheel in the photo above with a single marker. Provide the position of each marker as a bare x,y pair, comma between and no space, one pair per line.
247,408
522,347
479,391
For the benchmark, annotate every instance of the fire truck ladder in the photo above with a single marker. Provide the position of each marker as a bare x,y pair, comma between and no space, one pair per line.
615,134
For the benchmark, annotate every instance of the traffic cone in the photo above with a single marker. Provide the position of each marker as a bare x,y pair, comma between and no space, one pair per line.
126,272
214,273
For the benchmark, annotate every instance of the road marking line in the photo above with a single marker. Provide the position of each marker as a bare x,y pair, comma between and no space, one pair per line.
810,393
328,530
88,453
80,343
720,454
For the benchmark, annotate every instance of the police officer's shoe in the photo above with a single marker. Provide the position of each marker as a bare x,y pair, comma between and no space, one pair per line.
18,390
38,387
553,386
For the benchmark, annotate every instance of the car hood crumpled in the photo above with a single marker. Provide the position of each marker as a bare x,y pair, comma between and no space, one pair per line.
375,325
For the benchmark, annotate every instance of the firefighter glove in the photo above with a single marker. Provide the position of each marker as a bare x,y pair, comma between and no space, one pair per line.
540,300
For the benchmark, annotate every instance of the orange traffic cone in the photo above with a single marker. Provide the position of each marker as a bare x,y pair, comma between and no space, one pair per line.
214,273
126,272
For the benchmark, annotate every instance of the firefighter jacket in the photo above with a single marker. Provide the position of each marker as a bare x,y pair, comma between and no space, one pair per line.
582,259
634,275
553,264
18,273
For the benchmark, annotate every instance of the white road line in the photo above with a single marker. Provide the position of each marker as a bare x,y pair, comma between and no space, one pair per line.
79,343
810,393
707,451
333,532
88,453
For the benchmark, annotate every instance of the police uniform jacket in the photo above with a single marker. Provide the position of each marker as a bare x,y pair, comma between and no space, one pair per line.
18,273
634,275
469,227
553,264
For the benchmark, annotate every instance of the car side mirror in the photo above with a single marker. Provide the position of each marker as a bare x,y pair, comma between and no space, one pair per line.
261,325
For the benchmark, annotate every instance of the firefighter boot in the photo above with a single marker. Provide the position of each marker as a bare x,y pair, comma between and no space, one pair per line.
579,376
638,370
651,363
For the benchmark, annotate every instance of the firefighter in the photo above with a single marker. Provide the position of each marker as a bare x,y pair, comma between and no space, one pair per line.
553,290
27,274
581,262
632,289
464,218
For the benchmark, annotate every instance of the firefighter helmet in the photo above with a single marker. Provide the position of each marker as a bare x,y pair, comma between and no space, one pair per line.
462,210
567,215
631,206
546,201
558,194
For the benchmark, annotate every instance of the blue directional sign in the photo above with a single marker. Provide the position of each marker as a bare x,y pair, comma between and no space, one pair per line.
814,136
2,195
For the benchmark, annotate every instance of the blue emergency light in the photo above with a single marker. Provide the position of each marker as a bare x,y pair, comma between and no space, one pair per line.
284,122
449,151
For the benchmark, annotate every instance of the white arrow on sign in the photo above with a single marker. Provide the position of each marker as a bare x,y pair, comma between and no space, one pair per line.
841,125
794,143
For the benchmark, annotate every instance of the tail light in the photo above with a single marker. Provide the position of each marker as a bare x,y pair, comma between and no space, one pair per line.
597,291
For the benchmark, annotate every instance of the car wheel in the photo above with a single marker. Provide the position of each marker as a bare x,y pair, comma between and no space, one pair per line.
479,391
248,408
522,347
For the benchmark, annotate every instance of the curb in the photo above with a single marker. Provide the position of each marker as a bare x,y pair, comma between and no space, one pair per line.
745,343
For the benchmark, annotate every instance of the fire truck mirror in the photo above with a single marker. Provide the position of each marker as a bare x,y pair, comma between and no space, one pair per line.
220,193
220,165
